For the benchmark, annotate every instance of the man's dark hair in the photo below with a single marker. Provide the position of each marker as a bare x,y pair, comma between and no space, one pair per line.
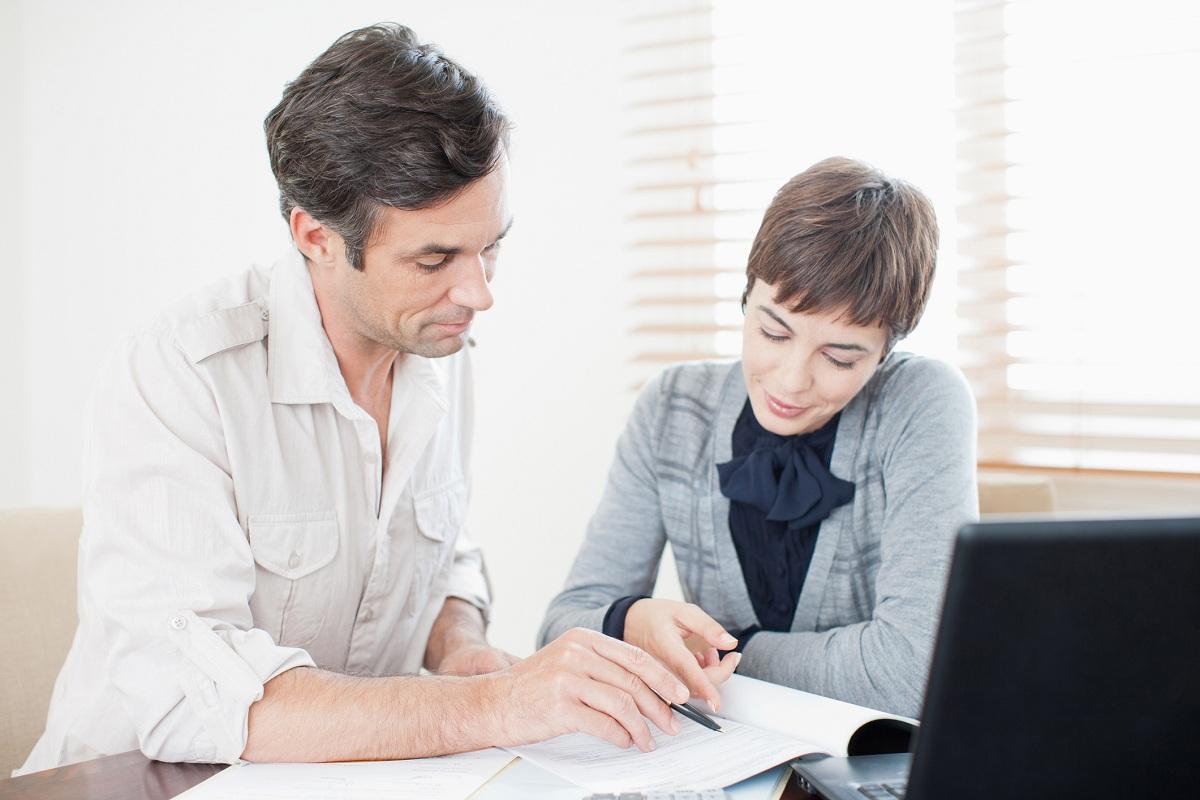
380,119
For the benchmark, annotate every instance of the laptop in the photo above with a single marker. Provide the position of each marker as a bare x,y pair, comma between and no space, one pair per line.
1067,665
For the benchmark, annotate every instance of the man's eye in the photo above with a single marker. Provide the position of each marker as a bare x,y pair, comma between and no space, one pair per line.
431,266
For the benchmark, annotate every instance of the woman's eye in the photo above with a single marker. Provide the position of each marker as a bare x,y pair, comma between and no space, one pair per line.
838,364
774,337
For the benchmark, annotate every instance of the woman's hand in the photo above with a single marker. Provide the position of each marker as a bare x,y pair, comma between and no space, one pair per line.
685,639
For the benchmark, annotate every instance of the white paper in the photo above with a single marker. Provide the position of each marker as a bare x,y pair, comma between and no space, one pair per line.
444,778
696,758
826,722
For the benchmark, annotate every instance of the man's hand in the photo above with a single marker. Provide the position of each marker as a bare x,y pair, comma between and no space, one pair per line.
476,659
685,639
458,642
586,682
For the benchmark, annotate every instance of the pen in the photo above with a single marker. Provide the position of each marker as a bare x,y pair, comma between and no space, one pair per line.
696,715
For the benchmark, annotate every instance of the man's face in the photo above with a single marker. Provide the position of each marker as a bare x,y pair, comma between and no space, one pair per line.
801,369
425,273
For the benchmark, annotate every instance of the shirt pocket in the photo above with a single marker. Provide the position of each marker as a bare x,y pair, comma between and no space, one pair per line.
440,514
295,574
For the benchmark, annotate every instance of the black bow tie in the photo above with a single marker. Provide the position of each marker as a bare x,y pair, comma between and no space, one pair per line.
784,477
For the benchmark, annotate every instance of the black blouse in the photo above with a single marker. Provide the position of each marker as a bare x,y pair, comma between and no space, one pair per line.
779,489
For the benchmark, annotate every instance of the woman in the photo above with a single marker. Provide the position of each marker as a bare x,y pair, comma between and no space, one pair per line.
811,491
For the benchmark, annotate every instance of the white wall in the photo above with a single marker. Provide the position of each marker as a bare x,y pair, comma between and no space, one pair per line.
14,483
143,173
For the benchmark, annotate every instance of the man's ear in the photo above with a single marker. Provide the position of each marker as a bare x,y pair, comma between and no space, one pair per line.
316,243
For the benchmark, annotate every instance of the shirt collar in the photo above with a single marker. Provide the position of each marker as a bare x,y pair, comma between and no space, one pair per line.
301,366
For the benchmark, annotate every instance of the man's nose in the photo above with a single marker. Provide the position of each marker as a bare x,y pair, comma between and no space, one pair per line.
472,290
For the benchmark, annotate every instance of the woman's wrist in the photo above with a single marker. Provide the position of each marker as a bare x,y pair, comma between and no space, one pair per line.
618,614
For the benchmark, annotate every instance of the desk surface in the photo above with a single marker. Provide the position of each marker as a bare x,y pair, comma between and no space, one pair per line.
132,776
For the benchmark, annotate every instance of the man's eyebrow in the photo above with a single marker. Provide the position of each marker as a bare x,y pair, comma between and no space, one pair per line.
858,348
433,248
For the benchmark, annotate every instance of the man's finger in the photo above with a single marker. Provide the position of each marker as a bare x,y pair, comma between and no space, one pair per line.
649,704
602,726
640,663
692,618
621,707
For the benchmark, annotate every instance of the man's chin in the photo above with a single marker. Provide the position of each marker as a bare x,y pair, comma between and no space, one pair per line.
439,348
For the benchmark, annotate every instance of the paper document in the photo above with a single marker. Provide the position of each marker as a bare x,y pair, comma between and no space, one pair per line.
832,725
444,778
764,725
696,758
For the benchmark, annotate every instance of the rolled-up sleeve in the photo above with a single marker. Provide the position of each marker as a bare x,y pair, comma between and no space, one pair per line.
164,562
468,579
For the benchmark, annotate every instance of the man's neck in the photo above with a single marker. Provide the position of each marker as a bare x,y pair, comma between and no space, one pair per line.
365,365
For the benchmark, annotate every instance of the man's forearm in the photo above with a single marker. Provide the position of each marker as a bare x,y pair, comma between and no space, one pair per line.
308,714
458,624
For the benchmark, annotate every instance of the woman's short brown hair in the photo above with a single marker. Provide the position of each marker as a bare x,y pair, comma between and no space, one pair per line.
843,236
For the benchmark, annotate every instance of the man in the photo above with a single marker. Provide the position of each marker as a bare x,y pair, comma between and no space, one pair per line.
277,469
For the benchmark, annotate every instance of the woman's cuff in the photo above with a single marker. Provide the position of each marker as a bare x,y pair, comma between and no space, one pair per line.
614,619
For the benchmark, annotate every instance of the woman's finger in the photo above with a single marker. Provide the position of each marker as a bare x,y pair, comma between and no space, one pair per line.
723,669
692,618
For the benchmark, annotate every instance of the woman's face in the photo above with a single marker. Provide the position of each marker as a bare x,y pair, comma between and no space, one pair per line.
802,369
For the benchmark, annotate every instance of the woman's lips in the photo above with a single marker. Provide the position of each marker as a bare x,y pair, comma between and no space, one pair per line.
783,409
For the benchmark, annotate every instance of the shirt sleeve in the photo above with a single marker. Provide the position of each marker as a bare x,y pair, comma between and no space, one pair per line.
928,466
625,538
468,579
165,564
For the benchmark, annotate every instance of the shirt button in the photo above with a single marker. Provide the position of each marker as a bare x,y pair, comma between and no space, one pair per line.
365,616
266,314
370,457
294,560
178,622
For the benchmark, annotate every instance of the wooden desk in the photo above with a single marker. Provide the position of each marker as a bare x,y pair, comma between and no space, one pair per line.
132,776
129,776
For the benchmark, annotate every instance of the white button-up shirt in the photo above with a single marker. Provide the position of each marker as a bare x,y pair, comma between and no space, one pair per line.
238,522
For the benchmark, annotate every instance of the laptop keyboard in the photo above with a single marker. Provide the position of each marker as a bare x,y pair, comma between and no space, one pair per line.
707,794
883,791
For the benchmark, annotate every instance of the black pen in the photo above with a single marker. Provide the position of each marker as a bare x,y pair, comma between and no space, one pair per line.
696,715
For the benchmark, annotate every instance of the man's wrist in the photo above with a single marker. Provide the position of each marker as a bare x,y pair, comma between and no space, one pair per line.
459,625
484,726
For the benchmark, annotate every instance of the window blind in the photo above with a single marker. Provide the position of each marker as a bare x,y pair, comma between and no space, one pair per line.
1057,139
727,99
1078,275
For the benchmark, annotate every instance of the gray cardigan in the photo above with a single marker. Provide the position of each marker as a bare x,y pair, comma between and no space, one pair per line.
866,618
